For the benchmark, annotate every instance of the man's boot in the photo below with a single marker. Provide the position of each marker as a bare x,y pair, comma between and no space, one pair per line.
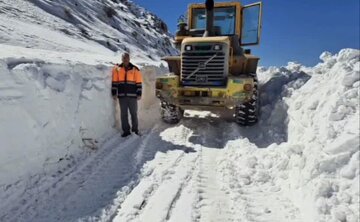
125,134
137,132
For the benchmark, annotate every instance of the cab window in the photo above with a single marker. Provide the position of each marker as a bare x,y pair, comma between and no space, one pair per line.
251,24
224,20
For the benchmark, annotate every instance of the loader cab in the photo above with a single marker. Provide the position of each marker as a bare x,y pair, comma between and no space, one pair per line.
229,19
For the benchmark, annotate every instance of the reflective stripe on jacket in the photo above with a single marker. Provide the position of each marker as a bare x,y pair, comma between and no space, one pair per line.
127,81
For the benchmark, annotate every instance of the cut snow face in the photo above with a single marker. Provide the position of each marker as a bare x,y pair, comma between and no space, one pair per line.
46,111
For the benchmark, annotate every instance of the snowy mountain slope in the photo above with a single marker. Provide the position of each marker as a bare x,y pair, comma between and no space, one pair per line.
94,27
300,163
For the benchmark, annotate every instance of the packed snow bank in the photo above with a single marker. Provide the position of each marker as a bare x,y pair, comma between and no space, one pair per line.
317,165
52,113
149,113
47,111
324,119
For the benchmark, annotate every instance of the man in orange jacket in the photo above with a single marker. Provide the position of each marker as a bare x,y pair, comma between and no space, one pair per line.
127,87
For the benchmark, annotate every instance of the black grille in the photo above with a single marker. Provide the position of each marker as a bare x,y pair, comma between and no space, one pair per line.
203,68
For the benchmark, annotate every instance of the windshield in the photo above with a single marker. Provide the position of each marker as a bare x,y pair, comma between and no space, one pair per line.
224,19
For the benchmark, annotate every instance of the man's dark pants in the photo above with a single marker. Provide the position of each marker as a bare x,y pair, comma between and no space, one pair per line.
129,104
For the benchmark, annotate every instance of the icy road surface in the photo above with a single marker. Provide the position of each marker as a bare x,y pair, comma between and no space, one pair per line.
181,181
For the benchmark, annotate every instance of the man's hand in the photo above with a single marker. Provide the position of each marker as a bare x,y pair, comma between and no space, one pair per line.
114,92
114,97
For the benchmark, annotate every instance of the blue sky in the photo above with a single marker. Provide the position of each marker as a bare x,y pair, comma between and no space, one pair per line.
293,30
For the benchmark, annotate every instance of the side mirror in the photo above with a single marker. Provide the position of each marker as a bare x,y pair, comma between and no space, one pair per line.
247,51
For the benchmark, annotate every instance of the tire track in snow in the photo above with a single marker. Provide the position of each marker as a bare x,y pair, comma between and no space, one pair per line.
56,183
139,155
32,192
213,203
80,188
160,204
154,198
75,197
165,173
179,193
185,200
139,197
109,212
196,199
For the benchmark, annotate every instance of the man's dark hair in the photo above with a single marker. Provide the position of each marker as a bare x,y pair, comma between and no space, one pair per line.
125,54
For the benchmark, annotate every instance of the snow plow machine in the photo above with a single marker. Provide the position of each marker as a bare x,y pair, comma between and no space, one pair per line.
214,71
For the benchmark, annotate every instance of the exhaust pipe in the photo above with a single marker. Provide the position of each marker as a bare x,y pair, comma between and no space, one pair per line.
209,18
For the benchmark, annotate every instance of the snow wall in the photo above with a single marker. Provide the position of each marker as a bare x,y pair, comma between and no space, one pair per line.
310,129
51,113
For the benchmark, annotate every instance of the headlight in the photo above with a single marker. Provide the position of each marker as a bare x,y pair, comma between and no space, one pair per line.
188,48
248,87
217,47
159,85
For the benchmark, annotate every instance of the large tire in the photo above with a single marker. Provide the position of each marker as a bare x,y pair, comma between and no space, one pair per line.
171,114
247,114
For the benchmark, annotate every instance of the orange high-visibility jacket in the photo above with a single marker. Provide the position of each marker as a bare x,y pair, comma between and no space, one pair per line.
126,82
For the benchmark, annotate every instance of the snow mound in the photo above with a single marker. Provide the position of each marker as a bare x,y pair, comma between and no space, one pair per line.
324,116
317,163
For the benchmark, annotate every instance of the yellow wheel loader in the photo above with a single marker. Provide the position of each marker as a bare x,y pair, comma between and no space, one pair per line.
214,71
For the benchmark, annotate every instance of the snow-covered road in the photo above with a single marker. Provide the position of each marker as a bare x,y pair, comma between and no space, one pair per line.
171,173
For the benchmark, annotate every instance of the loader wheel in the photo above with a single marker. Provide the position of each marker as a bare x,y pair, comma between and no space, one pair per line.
171,114
247,113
